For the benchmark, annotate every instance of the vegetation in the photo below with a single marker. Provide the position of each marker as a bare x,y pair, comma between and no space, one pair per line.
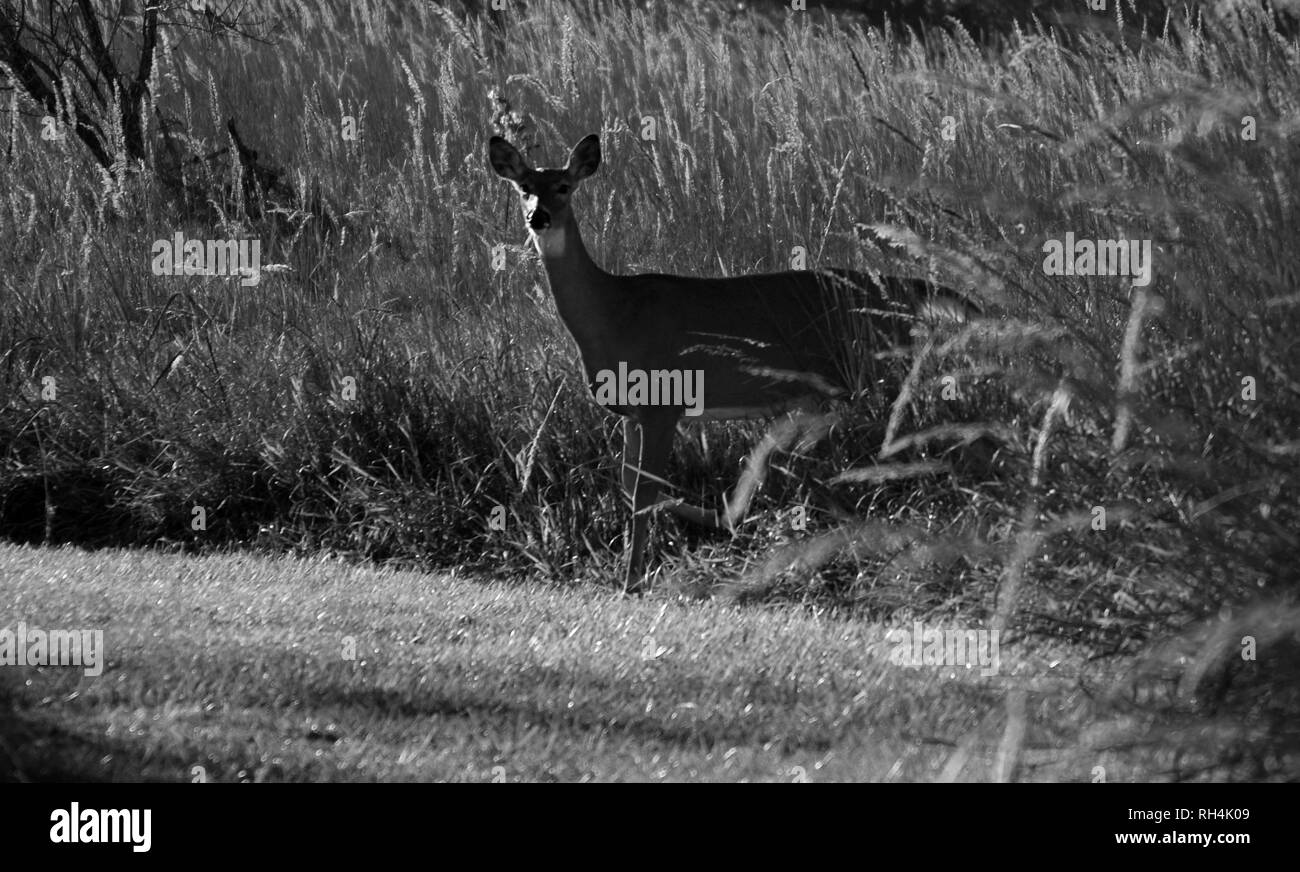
1135,494
237,668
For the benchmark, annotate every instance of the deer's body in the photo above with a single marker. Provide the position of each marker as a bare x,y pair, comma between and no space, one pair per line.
765,343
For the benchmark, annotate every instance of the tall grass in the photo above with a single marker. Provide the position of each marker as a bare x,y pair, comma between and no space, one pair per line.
131,399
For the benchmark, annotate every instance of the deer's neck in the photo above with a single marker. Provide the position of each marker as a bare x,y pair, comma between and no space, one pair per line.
577,283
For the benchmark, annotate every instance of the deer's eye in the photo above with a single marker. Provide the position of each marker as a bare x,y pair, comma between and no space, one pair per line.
561,189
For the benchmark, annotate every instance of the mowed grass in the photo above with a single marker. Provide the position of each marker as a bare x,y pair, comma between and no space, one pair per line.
1140,502
235,664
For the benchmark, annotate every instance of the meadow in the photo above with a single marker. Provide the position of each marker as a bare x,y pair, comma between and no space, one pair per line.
1098,468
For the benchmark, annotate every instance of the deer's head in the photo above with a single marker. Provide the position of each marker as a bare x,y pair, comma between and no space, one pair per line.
544,193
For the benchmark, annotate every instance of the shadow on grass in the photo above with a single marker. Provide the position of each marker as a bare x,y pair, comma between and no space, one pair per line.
35,747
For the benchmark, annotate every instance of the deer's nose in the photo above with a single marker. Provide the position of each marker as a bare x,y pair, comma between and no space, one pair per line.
539,219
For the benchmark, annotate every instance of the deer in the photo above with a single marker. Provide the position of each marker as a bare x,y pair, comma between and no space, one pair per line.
758,346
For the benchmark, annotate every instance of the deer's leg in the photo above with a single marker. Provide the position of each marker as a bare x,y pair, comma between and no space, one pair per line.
799,428
780,436
697,515
736,507
646,447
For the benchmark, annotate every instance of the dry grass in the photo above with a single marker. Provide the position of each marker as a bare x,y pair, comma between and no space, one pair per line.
1077,395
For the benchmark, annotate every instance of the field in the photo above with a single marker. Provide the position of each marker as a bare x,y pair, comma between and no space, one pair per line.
385,433
239,666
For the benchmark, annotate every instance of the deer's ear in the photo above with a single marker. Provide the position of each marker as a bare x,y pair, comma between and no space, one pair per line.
506,160
584,158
